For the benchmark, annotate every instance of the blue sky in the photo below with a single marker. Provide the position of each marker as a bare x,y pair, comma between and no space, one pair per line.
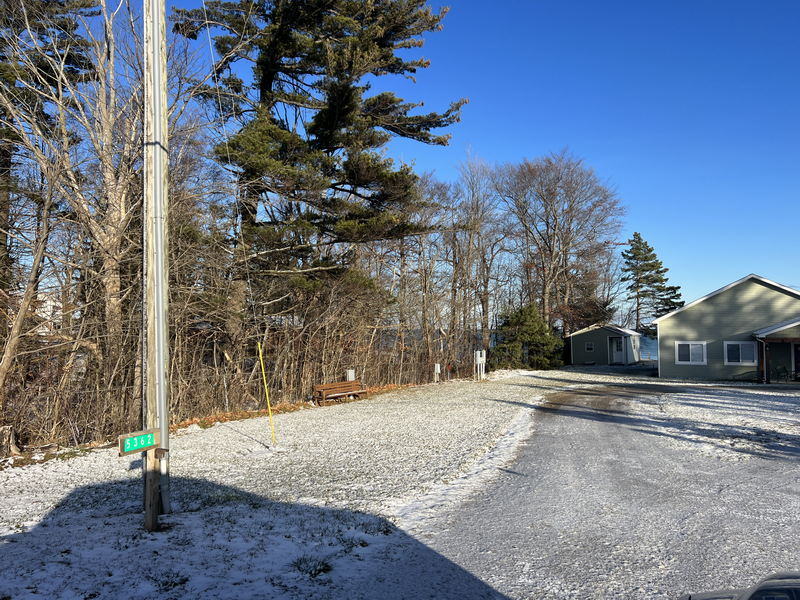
689,109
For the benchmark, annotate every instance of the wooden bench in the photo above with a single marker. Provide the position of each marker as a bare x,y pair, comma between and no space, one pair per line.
339,389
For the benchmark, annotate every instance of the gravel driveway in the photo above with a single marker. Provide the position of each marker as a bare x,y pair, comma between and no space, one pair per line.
614,496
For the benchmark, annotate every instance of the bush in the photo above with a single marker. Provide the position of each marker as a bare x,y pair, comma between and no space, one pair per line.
524,341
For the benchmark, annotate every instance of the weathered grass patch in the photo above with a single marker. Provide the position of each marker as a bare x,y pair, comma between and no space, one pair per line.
311,565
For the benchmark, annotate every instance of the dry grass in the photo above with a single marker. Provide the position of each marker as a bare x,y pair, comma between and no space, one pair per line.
32,456
239,415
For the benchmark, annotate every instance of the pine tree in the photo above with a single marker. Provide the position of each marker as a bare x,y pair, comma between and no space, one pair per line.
313,178
647,282
585,311
668,299
524,341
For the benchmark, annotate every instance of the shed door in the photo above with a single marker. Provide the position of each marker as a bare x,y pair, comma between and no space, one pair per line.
617,355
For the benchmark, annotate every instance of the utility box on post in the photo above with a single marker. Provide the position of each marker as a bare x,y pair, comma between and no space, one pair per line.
480,365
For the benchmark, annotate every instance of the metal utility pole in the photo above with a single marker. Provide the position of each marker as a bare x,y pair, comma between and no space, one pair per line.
156,265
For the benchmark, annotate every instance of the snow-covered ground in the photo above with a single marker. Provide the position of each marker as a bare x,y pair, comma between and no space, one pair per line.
733,421
614,498
308,518
648,348
287,521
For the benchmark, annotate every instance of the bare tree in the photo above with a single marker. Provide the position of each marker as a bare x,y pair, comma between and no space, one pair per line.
540,231
482,218
562,214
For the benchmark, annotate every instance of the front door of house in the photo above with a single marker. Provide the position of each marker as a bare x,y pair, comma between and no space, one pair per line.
617,354
796,361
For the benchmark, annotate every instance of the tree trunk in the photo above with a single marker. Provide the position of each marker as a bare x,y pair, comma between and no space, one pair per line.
546,291
14,335
112,287
6,155
8,446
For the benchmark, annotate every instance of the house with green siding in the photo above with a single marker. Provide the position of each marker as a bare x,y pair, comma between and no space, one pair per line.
749,329
604,345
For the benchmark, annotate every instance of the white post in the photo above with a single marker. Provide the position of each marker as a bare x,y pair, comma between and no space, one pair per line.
350,375
480,364
156,160
437,370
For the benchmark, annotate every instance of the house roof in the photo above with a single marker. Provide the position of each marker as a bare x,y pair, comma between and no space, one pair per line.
752,276
616,328
777,327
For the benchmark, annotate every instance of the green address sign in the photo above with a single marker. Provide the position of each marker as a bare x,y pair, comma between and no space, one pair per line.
138,441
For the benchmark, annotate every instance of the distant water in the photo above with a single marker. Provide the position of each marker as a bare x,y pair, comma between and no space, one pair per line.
648,348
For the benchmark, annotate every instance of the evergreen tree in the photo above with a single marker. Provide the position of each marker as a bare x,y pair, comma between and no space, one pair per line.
589,302
585,311
668,298
313,179
524,341
647,282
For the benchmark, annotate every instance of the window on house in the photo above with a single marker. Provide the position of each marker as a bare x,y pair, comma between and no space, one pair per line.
589,346
690,353
741,353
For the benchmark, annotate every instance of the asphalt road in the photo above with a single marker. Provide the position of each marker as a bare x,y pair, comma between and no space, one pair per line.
599,505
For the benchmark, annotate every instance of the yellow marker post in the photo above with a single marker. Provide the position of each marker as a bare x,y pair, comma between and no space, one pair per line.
266,392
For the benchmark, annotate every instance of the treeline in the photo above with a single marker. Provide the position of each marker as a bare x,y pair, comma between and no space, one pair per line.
288,225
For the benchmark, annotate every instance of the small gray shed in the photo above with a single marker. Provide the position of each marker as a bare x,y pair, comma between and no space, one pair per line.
604,345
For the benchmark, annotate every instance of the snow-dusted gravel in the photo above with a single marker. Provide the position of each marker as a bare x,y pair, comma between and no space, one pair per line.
327,486
728,423
731,421
369,455
317,516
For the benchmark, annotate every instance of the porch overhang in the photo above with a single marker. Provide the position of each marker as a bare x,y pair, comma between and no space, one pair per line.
775,329
773,335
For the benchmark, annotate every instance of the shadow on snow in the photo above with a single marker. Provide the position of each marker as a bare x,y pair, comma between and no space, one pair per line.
222,543
771,445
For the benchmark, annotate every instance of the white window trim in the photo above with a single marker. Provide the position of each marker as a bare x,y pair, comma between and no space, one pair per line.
586,346
741,363
705,353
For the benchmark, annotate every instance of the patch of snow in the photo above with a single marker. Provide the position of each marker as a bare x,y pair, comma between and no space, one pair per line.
232,545
501,374
250,511
412,515
730,423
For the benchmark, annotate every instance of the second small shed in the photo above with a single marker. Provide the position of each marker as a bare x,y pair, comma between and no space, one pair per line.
604,345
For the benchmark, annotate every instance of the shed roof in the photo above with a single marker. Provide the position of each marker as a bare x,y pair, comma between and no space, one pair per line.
752,276
615,328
